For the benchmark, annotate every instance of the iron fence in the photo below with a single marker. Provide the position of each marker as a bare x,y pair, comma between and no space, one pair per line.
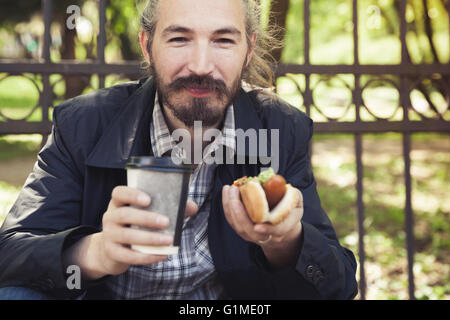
403,77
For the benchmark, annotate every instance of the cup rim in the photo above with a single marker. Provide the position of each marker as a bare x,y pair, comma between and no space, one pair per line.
157,164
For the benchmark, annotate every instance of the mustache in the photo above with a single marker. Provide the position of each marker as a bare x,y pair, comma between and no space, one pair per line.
199,82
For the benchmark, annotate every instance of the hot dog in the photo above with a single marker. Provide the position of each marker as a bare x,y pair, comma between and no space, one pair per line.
267,197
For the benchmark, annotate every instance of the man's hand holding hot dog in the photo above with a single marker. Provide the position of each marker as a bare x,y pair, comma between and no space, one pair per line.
279,234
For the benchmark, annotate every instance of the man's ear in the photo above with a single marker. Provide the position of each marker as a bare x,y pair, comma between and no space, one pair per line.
251,50
144,42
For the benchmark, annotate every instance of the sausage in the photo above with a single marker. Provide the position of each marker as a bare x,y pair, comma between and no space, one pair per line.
274,188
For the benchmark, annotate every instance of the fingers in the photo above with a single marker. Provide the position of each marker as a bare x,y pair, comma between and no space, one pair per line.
131,236
123,195
122,254
287,224
133,216
300,199
191,208
238,219
281,229
236,215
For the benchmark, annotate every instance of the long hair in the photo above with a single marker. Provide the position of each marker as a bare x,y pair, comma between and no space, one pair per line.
260,70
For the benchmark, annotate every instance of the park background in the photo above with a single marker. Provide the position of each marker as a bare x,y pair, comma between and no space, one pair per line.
333,158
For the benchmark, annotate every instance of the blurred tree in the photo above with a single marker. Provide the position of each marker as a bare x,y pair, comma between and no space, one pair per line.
121,13
421,26
17,11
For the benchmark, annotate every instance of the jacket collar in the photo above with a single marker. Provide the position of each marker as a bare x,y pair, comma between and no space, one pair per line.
129,133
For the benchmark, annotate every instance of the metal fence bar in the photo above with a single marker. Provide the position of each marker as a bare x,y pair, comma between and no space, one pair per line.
358,156
47,95
306,29
355,33
307,97
382,126
409,216
70,67
404,102
47,10
424,126
133,68
101,40
360,215
406,69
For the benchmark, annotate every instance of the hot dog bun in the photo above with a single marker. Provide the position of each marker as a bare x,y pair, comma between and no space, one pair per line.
255,202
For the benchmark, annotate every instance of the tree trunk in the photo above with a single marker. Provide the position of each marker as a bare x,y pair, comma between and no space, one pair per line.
74,84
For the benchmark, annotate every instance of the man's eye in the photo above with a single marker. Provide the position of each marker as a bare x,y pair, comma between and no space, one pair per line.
178,39
225,41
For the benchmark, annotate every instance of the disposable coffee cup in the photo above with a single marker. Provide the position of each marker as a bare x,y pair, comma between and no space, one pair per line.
167,184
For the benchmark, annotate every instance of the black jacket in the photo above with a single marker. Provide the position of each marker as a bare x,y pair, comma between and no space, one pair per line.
92,138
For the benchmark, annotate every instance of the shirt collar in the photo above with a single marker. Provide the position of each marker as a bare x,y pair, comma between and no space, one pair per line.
162,141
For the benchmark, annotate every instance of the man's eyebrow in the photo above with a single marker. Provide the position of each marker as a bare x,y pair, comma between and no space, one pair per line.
181,29
228,30
175,28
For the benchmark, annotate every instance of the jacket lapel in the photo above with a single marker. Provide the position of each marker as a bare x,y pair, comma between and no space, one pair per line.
129,133
230,253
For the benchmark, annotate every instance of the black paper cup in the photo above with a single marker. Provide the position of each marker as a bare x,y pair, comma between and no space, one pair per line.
167,184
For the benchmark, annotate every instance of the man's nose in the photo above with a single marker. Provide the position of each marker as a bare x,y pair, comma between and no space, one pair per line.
201,60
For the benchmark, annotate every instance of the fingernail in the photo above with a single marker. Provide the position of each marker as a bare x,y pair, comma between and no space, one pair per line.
234,192
165,239
143,198
162,220
260,229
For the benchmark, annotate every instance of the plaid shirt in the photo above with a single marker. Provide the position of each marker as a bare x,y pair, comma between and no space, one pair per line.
190,274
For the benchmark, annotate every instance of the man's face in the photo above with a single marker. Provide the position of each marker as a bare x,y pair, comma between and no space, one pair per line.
197,55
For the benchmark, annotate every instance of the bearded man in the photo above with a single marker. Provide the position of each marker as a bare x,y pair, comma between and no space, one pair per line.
75,208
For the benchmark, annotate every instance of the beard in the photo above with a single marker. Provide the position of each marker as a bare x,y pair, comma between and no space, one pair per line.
209,110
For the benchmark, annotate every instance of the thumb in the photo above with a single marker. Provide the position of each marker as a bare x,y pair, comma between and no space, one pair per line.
191,208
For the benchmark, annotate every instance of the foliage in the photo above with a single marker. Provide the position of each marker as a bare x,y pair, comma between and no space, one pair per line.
331,23
22,10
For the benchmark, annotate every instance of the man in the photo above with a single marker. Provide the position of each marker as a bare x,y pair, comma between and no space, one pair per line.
74,209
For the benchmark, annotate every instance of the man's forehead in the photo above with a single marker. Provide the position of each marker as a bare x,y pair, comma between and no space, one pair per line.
202,15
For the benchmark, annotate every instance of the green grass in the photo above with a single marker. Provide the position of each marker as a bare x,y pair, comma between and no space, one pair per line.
8,195
384,198
14,146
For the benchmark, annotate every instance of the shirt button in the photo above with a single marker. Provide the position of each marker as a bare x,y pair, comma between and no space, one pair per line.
310,271
318,276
